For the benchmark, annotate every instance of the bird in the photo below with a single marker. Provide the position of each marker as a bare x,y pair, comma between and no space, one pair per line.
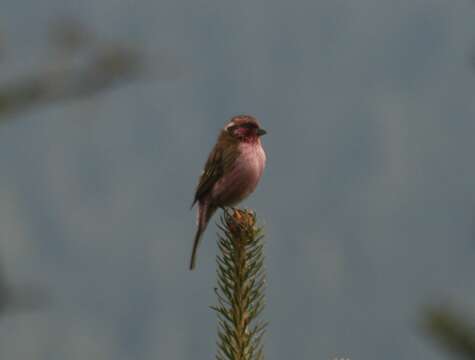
231,173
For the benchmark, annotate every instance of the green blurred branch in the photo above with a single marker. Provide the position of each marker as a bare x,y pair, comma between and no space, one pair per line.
19,299
241,282
108,66
451,330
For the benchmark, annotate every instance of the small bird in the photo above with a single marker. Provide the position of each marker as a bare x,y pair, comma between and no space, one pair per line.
232,171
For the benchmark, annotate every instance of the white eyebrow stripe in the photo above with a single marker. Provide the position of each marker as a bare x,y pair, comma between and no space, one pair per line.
231,123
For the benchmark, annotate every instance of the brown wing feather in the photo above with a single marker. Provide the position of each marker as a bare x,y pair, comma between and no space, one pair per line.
220,160
211,173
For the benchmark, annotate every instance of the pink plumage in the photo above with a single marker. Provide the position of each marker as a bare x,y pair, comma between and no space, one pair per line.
243,177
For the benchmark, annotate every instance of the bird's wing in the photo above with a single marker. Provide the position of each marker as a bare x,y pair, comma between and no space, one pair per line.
219,162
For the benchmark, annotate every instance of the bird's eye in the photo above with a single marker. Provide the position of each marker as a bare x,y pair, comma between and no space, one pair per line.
231,129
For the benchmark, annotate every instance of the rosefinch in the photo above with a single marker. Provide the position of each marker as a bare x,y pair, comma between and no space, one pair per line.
231,173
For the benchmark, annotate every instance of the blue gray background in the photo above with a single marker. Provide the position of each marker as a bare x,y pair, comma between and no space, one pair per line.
367,200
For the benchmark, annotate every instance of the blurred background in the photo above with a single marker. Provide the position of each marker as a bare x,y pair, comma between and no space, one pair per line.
108,109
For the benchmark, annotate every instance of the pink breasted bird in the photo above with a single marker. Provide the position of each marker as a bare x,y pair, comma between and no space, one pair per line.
232,171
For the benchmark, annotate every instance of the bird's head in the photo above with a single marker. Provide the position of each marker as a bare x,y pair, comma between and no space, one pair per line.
244,128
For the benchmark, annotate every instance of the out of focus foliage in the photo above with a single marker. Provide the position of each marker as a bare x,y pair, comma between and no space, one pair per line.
86,68
83,66
451,330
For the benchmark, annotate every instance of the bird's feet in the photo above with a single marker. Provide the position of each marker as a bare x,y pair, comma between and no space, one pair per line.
241,217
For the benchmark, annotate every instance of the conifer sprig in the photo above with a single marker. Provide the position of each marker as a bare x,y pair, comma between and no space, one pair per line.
241,285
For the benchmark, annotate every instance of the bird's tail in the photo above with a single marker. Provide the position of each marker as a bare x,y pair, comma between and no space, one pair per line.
205,212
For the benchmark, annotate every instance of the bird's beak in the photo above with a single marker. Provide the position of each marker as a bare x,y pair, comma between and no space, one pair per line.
261,132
